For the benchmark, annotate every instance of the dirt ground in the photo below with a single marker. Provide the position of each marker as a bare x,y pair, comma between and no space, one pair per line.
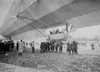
55,62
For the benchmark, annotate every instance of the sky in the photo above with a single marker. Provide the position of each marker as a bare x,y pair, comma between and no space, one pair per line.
88,32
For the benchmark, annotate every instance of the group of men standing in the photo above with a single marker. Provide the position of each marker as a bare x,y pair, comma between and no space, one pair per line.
6,46
51,46
72,47
57,46
21,47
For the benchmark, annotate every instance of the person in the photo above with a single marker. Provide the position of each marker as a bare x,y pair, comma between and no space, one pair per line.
60,46
50,32
8,45
54,32
92,46
57,31
69,48
5,48
26,43
21,49
33,48
1,46
12,44
48,46
52,46
41,46
75,47
56,46
24,46
17,45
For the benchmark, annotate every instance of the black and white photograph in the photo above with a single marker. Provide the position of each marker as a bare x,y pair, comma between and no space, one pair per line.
49,35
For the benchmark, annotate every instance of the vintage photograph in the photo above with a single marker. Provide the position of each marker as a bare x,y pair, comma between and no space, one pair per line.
49,35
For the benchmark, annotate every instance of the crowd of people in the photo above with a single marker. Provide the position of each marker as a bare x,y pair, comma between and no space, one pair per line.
72,47
54,46
51,46
21,47
57,46
55,31
6,46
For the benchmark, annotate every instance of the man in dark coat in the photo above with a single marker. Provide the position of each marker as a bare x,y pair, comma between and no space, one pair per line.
1,46
75,47
60,47
70,48
33,46
17,45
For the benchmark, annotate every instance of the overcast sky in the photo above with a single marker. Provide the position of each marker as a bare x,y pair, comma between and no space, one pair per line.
88,32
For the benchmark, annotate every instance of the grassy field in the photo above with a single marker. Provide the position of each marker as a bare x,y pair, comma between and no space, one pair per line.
54,62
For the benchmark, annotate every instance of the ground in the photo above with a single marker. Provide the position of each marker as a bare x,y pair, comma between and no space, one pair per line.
54,62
